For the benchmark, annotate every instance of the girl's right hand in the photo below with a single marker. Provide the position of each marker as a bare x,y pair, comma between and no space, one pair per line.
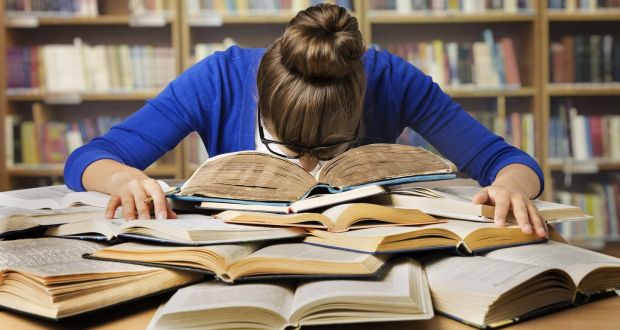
132,196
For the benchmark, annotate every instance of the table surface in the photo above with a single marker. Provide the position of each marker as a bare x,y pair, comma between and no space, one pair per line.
601,314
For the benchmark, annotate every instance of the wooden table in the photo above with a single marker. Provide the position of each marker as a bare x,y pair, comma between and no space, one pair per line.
602,314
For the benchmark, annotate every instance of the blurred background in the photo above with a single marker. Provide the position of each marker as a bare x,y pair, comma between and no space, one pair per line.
545,75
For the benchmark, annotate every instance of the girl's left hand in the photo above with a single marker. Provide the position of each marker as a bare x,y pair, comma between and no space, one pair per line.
508,199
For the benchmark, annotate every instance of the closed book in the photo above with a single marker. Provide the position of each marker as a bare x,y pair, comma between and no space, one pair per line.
569,49
608,60
558,64
511,67
596,59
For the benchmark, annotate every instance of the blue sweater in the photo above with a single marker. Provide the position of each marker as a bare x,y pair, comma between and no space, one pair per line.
217,98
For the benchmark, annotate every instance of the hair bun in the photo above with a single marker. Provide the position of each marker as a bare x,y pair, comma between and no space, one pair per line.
322,42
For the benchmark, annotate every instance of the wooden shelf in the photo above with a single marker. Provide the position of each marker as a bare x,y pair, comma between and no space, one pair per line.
586,167
391,17
474,92
599,15
30,22
584,89
81,97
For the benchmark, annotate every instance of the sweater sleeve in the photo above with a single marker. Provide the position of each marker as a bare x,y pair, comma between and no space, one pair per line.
153,130
457,135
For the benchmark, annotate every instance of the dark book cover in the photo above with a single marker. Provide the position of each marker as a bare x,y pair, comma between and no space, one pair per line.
596,59
580,60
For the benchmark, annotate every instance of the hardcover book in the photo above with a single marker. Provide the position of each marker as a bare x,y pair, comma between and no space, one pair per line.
399,294
251,261
260,178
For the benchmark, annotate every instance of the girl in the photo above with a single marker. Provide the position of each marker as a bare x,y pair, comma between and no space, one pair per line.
314,93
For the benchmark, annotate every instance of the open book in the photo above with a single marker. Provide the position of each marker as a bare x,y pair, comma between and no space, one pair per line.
188,229
51,197
264,178
250,261
467,236
456,202
400,294
19,222
48,277
516,283
337,218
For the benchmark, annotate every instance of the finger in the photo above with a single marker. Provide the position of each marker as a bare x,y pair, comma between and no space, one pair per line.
113,204
519,209
502,206
540,226
159,200
129,206
481,197
139,195
171,214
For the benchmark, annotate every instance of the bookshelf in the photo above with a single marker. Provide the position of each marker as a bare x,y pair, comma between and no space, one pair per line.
589,181
391,27
113,25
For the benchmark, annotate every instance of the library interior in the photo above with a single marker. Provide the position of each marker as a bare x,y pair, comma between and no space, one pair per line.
412,250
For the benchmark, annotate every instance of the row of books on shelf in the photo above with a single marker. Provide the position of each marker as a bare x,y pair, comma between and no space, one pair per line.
50,142
202,50
602,201
489,63
197,8
583,137
75,8
594,58
46,8
583,4
79,67
466,6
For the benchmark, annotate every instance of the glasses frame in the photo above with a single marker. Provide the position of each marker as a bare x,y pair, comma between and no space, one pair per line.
304,150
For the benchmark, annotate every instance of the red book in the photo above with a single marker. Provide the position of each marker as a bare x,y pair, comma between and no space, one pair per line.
569,48
596,135
510,62
558,65
34,67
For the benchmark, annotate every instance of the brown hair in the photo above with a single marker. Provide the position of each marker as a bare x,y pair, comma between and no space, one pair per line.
311,80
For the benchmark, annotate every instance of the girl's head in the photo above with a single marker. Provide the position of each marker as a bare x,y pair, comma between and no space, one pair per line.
311,81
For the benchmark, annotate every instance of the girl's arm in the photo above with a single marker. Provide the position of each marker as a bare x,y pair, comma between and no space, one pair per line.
510,175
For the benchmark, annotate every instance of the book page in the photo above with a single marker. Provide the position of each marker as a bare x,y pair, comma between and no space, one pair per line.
253,175
381,161
397,282
484,276
301,251
92,198
55,256
105,227
228,252
577,262
35,198
211,295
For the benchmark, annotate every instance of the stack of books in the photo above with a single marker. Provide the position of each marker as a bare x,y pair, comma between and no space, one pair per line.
378,235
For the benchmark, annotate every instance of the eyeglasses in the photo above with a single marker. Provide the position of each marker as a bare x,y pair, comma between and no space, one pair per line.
325,152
